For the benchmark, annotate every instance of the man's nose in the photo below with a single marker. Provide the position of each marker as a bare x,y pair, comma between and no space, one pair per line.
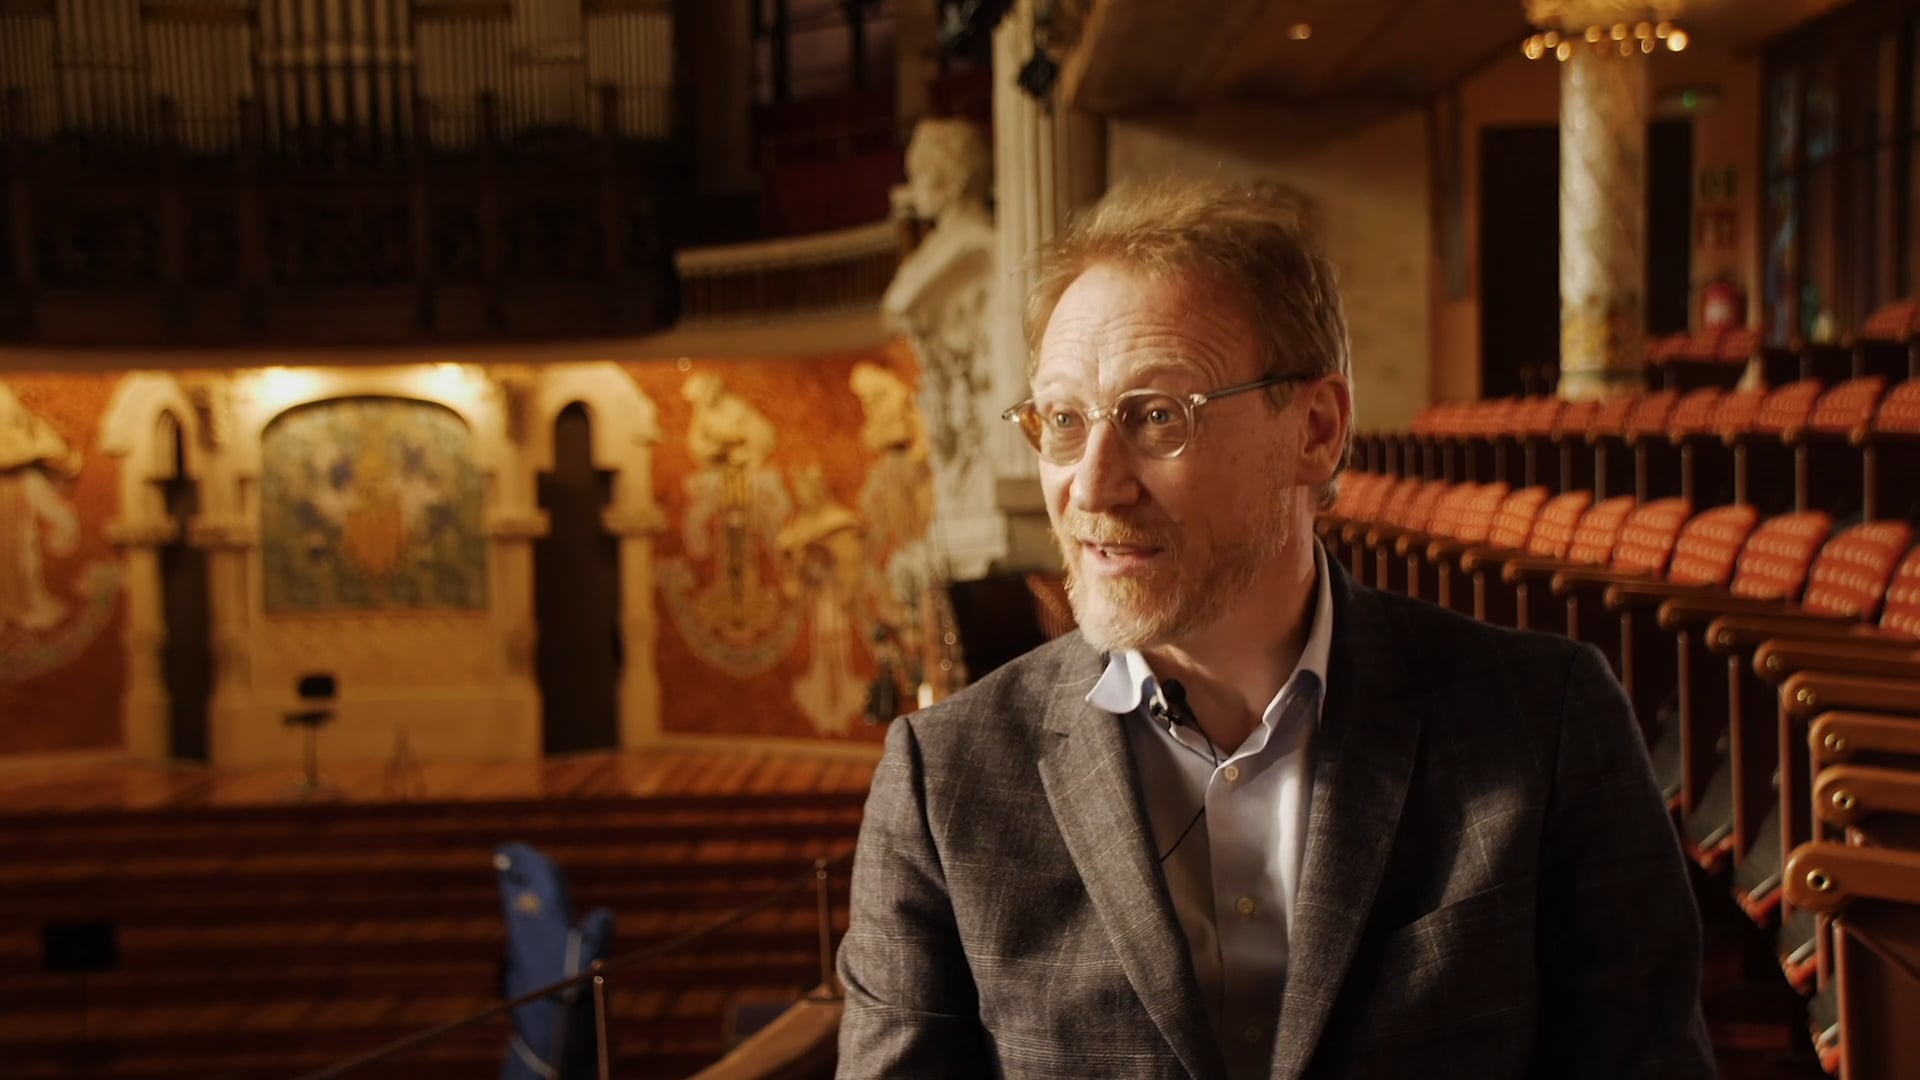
1104,477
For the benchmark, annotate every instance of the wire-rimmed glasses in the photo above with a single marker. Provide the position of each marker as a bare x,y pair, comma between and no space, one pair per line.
1154,422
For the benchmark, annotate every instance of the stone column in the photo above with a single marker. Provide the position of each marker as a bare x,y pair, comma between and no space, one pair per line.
512,533
1047,165
148,714
229,542
636,524
1603,200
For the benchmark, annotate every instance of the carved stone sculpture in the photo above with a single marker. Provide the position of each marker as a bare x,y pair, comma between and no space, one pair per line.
941,299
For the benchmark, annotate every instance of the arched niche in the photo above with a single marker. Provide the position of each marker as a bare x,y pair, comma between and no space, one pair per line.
441,682
625,427
154,427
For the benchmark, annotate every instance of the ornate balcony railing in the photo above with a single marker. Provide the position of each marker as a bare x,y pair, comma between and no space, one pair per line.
842,271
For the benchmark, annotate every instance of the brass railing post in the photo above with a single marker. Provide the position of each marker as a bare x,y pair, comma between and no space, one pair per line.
600,1020
827,984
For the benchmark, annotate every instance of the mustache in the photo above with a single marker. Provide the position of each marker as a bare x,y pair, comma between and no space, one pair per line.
1104,529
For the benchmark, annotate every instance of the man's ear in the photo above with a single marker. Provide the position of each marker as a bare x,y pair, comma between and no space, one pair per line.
1327,404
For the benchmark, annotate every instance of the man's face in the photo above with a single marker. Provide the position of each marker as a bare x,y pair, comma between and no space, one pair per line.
1157,550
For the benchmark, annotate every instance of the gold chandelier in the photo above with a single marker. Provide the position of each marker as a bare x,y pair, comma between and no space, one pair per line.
1608,27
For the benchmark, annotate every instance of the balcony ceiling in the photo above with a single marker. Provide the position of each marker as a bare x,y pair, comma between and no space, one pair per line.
1138,54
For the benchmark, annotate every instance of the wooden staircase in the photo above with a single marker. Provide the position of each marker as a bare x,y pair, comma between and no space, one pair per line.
267,941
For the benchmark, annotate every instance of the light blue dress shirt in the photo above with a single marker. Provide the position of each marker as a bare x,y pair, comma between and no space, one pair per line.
1233,871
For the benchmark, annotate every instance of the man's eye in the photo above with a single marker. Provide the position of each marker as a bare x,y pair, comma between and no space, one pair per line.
1160,416
1063,419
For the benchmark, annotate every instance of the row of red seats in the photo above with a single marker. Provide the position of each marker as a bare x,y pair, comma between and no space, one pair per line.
1801,446
1737,637
1723,357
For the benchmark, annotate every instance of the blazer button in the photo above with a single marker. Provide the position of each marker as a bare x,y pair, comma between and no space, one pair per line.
1252,1034
1232,773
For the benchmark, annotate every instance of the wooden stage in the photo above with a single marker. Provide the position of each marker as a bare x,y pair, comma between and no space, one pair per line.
93,786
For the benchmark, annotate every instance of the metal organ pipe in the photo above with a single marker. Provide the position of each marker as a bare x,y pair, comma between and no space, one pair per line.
386,70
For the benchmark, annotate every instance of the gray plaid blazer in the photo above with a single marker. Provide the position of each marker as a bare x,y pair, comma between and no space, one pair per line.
1491,887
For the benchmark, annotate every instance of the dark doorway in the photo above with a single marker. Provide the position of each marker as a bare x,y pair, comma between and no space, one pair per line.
1520,246
1519,256
186,658
1669,226
576,580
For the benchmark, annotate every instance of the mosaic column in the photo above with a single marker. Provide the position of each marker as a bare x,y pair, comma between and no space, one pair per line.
1603,226
1603,47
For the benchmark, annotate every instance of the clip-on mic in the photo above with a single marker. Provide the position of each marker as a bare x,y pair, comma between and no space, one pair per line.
1169,707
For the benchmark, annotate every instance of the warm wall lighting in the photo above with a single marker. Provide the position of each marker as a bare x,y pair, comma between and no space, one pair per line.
1677,39
281,386
1300,31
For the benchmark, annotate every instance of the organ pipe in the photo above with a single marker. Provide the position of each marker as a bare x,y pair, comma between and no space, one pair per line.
330,67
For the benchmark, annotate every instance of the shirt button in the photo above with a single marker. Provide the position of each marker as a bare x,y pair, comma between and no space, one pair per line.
1245,906
1232,773
1252,1034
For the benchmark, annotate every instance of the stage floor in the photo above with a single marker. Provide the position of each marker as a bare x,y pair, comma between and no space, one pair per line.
92,787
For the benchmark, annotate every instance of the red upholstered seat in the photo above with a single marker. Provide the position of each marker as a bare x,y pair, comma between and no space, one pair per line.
1576,418
1710,544
1611,419
1358,493
1894,322
1540,416
1599,528
1514,522
1559,521
1901,615
1736,411
1849,407
1662,350
1739,346
1785,411
1852,574
1651,414
1450,510
1476,513
1779,555
1417,515
1899,412
1393,507
1693,413
1648,535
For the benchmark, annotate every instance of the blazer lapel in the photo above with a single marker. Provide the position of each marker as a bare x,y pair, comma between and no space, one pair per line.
1094,790
1364,754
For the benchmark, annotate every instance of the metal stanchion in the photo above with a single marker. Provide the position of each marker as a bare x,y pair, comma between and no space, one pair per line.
600,1020
829,988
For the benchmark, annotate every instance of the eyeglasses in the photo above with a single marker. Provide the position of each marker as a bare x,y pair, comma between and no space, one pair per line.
1158,424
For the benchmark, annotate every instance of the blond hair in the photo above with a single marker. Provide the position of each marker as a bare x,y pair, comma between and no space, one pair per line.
1252,238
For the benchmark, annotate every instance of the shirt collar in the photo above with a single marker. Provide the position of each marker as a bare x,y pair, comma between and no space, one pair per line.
1128,680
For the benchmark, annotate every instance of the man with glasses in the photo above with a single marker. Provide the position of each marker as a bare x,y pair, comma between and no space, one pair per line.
1252,819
